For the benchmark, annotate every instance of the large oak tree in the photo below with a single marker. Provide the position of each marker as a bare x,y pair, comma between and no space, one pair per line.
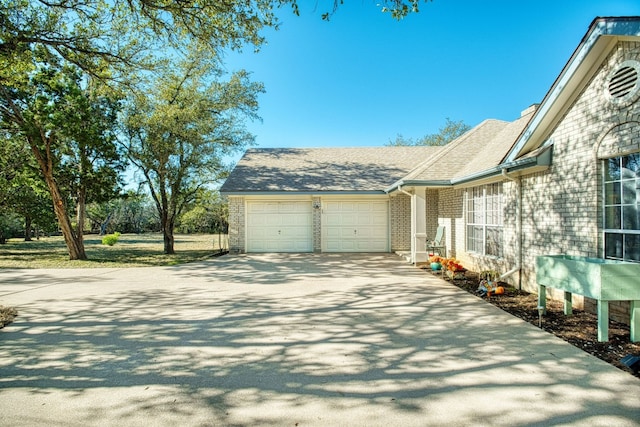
180,130
69,130
116,43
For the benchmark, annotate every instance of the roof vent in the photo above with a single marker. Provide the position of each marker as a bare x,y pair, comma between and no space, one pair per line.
624,82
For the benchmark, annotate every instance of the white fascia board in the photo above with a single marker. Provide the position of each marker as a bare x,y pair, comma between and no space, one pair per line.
302,193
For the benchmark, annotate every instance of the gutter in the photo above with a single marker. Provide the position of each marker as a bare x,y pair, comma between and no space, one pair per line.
404,191
304,193
417,183
541,160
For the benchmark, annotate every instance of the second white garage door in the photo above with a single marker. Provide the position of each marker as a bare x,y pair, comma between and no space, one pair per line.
279,226
355,226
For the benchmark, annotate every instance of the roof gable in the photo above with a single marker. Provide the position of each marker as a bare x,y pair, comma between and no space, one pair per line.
458,154
602,36
495,149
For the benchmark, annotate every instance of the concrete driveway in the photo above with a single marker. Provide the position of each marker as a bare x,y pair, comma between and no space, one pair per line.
287,340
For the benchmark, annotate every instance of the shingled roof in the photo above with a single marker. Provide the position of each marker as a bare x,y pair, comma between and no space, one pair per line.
480,149
457,155
371,169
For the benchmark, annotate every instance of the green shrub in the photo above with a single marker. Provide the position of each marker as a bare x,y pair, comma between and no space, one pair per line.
111,239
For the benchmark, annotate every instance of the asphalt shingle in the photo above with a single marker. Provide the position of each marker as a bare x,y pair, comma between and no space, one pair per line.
323,169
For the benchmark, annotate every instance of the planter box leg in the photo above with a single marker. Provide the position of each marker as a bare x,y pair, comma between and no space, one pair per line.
542,298
568,307
603,321
635,321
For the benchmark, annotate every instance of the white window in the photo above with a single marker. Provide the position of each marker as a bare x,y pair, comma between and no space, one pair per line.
484,218
622,208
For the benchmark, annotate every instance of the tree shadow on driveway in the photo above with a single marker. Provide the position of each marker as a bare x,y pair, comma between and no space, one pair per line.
367,342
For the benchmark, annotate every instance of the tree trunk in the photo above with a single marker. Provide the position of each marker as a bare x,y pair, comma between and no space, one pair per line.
81,216
167,231
27,228
103,225
168,242
75,244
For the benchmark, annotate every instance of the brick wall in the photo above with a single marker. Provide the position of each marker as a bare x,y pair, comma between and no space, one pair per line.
317,224
561,207
236,224
450,215
432,197
400,222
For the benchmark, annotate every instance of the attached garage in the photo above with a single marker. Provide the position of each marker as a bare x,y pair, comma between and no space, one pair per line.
318,199
355,225
279,226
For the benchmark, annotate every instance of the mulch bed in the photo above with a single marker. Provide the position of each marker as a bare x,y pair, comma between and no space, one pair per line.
579,329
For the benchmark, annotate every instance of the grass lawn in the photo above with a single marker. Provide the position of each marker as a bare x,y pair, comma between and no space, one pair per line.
132,250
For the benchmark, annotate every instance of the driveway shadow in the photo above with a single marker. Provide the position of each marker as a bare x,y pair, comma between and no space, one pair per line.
366,342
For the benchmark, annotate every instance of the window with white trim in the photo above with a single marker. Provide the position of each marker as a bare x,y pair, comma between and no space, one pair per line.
485,221
622,208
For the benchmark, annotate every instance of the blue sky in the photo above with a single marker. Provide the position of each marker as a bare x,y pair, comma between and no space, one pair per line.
362,78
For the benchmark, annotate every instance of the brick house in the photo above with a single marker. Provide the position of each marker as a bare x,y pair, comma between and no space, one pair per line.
564,178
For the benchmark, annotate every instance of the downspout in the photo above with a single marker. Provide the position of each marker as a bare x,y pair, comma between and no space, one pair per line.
518,266
403,191
413,238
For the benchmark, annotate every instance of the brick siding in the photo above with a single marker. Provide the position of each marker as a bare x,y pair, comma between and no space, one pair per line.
236,224
562,207
400,222
317,225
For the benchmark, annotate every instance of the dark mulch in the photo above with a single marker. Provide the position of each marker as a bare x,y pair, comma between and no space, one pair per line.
580,329
7,314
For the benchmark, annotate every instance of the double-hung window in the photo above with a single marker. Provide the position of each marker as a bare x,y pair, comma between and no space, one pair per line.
622,208
485,221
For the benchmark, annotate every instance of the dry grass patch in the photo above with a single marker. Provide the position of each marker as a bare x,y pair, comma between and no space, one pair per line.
132,250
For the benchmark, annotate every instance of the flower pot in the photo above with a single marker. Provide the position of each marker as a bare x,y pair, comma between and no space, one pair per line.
435,266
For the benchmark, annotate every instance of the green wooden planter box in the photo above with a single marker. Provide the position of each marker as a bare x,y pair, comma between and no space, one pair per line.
600,279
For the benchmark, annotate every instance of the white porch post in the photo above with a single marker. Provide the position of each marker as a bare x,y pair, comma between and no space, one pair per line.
419,225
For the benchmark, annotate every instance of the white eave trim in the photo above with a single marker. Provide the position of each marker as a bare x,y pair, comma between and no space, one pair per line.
304,193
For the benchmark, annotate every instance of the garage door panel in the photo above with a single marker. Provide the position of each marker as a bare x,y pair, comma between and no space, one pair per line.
355,226
279,226
294,233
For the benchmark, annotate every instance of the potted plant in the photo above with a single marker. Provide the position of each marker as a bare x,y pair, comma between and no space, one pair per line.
454,268
436,262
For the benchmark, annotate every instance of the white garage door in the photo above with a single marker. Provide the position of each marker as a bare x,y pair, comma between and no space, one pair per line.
355,226
279,226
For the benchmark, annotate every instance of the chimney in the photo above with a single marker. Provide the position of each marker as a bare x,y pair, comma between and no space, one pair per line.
529,110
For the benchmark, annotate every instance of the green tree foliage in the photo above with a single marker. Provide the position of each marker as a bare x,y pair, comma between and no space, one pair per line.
450,131
9,225
132,212
68,129
43,44
208,214
180,130
108,38
22,190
